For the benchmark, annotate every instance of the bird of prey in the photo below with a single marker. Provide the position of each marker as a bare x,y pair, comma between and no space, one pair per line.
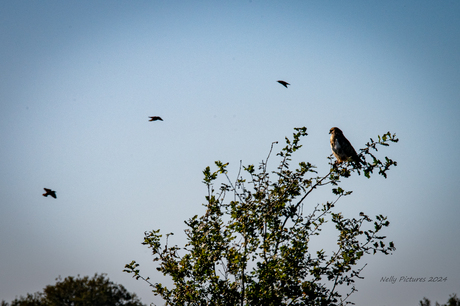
285,84
342,148
49,192
155,118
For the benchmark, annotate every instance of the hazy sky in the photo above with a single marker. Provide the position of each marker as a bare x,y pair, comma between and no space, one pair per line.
79,79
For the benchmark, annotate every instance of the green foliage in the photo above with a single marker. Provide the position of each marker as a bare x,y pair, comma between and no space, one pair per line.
253,249
452,301
425,302
80,292
35,299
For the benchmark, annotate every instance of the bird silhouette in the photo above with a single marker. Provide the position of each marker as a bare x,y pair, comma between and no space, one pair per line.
155,118
49,192
285,84
342,148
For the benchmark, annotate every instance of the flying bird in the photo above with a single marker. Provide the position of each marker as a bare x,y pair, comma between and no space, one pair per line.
49,192
285,84
155,118
342,148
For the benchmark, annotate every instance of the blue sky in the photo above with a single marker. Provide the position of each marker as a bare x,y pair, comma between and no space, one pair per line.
79,80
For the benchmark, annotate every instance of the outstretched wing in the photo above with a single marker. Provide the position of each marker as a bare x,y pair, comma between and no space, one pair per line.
285,84
49,192
155,118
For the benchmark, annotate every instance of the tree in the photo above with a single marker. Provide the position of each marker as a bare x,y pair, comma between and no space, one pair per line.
425,302
78,292
452,301
254,248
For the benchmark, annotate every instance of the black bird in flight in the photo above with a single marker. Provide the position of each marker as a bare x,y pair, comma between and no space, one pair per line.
285,84
49,192
155,118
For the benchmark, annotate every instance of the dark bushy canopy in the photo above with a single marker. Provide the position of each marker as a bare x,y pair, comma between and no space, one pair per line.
76,291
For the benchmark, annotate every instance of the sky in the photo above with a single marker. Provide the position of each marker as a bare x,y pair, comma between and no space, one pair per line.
79,80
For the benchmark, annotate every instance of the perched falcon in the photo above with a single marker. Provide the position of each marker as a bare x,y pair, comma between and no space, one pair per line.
49,192
155,118
342,148
285,84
